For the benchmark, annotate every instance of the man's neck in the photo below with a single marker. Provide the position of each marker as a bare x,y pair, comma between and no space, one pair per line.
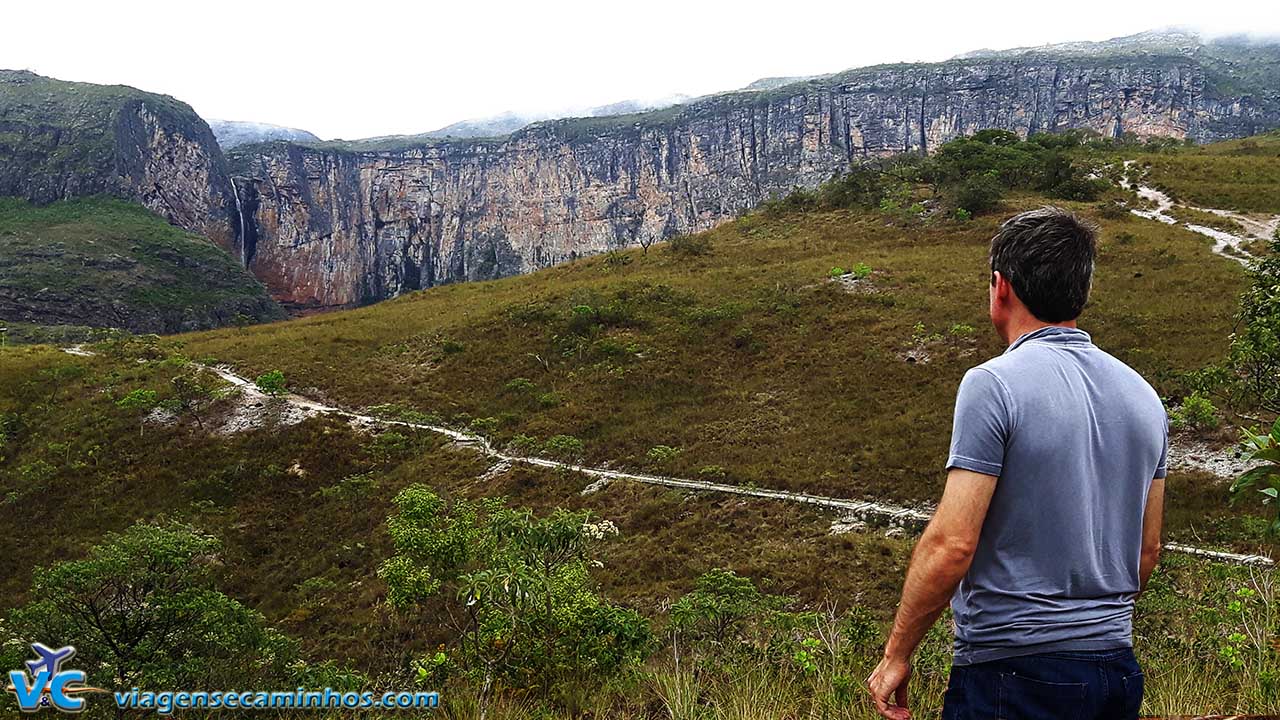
1031,324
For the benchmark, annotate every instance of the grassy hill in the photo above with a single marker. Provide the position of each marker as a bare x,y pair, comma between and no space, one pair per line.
100,262
1236,175
740,355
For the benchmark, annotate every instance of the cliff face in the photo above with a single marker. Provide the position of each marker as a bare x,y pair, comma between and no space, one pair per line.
62,140
340,225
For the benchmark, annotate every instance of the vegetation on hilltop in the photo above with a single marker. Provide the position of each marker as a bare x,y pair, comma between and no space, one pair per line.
102,262
57,136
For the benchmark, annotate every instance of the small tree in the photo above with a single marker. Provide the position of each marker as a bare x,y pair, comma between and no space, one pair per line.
522,602
719,607
272,383
140,401
193,392
1255,346
141,612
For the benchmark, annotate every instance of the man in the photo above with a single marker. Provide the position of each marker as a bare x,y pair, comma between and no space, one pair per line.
1049,525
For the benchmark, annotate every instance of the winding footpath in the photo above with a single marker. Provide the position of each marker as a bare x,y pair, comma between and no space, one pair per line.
1228,245
864,510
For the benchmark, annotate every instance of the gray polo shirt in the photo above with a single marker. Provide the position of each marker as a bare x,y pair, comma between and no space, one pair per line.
1075,437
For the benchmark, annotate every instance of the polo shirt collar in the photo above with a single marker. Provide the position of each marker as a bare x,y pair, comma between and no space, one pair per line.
1052,334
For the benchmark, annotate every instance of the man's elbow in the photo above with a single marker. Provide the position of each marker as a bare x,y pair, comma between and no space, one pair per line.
951,549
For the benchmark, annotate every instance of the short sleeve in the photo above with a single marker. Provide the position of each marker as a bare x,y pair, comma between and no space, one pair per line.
983,419
1162,469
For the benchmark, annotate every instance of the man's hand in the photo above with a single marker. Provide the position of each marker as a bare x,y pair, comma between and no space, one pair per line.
888,686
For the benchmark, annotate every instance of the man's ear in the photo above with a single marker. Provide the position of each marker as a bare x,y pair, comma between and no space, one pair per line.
1000,284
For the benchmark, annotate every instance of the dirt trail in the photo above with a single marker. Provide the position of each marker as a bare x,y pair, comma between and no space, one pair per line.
848,510
1226,244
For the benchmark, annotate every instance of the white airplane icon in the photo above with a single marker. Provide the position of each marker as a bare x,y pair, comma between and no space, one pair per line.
50,659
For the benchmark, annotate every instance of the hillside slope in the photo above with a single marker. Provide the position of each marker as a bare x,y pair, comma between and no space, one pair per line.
101,262
747,359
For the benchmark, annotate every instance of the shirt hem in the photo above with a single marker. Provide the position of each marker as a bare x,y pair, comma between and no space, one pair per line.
978,466
974,656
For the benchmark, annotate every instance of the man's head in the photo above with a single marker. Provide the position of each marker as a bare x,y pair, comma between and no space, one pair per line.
1041,269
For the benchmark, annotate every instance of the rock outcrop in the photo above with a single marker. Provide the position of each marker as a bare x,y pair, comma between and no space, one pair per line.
341,224
61,140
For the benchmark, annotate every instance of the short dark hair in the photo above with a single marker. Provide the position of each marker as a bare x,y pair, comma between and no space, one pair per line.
1047,255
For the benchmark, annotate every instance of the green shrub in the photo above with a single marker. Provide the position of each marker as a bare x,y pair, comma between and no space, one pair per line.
690,245
962,215
484,425
351,487
525,444
390,446
519,385
314,591
1195,412
836,272
720,608
272,383
861,271
1079,189
1113,210
521,604
563,447
978,194
141,610
615,260
661,454
139,399
744,339
1255,348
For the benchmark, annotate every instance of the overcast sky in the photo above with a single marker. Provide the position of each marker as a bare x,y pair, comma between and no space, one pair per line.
358,69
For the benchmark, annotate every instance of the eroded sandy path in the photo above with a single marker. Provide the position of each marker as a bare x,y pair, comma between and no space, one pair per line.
1229,245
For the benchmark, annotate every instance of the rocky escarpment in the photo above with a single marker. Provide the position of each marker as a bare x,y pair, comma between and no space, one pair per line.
340,224
61,140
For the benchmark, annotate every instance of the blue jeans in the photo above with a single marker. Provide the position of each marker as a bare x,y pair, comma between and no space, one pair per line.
1096,685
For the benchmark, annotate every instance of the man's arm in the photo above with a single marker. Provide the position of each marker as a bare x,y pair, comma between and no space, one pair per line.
940,560
1152,521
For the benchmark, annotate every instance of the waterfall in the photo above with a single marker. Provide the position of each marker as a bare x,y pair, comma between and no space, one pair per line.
235,193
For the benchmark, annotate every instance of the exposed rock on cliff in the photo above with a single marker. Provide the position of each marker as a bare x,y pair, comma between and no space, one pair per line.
62,140
343,223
